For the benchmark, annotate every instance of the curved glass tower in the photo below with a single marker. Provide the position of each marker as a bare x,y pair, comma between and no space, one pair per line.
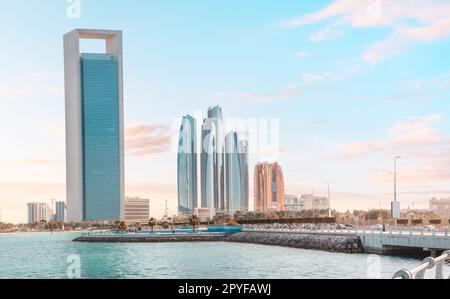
215,116
208,182
187,166
233,181
244,161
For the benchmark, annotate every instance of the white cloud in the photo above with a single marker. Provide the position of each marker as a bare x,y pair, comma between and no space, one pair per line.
413,22
415,133
423,147
301,54
328,33
309,78
143,140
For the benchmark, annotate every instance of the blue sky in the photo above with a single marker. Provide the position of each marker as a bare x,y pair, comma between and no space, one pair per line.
353,83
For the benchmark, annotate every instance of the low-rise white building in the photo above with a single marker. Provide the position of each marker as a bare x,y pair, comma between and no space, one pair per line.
205,214
293,203
136,210
311,202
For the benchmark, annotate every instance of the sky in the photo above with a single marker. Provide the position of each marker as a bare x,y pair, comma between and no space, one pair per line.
351,84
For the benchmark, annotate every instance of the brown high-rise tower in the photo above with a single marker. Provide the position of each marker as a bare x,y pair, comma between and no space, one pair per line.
269,187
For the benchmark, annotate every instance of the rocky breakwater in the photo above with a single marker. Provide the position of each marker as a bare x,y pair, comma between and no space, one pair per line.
168,238
315,241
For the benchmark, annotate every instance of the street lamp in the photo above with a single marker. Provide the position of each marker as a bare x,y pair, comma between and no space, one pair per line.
329,199
395,206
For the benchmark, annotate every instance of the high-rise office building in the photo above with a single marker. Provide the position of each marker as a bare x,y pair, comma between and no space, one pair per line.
245,173
60,211
233,180
215,117
224,171
38,212
136,210
208,166
94,127
269,187
187,166
236,183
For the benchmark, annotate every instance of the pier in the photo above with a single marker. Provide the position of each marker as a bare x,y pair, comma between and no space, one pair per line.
346,241
377,242
151,238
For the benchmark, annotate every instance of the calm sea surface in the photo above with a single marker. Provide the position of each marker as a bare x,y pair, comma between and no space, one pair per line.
46,256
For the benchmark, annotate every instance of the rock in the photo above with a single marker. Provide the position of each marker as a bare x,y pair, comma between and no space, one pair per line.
331,243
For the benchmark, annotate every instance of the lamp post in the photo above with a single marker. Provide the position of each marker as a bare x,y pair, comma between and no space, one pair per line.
329,199
396,158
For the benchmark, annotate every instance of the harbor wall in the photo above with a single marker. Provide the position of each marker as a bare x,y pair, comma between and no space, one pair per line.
324,242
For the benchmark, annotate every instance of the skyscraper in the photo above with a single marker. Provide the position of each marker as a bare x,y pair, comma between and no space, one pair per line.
60,213
245,173
223,167
233,180
215,116
269,187
208,165
187,166
94,127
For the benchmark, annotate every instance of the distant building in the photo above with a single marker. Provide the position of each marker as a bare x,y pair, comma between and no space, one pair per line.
440,207
205,214
60,213
293,203
136,210
269,187
38,212
311,202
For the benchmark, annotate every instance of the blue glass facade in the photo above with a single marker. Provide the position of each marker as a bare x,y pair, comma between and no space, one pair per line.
101,137
187,166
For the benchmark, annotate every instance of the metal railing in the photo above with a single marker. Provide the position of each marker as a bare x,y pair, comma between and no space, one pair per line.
359,231
427,265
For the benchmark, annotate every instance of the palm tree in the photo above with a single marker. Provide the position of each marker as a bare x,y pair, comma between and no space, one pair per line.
152,223
194,220
165,225
117,225
138,227
233,222
122,226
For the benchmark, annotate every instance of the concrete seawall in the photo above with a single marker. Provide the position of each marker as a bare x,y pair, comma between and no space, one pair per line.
324,242
149,238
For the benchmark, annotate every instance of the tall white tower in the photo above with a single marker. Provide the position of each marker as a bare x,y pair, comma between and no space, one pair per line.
94,127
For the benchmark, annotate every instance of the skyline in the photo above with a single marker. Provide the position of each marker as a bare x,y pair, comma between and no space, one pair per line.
343,115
